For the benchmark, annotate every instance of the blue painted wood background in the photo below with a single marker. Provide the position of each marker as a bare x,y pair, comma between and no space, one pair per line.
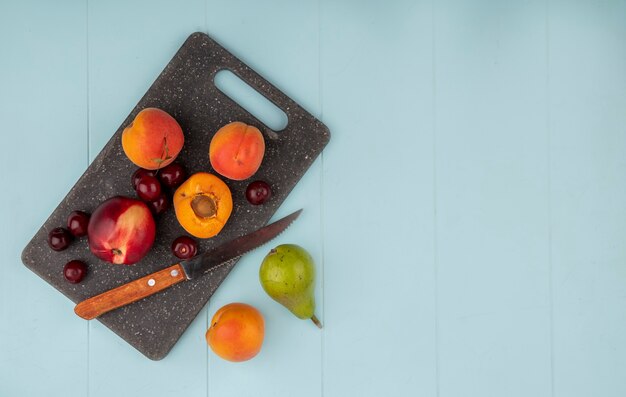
468,217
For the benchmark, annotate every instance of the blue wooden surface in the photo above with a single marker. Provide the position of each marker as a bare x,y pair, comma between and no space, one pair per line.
467,218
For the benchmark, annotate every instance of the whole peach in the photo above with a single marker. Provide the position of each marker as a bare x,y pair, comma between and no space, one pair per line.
236,150
121,230
236,332
153,139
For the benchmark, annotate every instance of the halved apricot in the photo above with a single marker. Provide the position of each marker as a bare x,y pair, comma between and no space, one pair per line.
203,204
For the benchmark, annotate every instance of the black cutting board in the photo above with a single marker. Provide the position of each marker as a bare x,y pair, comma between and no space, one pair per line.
185,89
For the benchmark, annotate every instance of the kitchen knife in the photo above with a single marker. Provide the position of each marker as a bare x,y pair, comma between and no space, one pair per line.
190,269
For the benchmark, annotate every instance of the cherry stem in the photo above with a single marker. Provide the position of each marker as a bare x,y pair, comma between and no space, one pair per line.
316,321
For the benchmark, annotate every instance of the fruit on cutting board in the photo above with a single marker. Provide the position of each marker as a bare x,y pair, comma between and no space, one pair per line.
160,205
75,271
59,238
138,175
203,204
258,192
236,150
77,223
153,139
287,274
236,332
172,175
184,247
148,188
121,230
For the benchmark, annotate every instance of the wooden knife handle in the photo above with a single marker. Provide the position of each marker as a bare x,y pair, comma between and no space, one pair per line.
129,293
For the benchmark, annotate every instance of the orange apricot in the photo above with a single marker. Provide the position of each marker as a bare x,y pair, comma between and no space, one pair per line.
236,332
236,150
203,204
153,139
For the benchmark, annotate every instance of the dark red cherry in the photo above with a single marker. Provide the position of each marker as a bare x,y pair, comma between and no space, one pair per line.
77,223
148,188
172,175
258,192
75,271
59,239
185,247
160,205
137,175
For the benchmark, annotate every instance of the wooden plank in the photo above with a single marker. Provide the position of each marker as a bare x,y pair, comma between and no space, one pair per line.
43,346
129,44
588,134
282,46
492,199
379,280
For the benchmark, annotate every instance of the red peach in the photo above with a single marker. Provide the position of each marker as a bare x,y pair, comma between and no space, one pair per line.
121,230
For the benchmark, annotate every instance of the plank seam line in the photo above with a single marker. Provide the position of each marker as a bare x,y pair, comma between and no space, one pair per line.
435,245
549,183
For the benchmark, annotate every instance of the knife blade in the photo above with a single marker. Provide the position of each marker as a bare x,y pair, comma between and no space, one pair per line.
190,269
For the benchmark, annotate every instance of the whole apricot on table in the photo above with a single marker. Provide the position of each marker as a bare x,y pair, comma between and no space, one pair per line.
153,139
236,332
203,204
236,151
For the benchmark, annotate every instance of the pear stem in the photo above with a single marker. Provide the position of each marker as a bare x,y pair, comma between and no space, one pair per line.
316,322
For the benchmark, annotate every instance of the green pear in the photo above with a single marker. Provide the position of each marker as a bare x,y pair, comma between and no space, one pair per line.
287,274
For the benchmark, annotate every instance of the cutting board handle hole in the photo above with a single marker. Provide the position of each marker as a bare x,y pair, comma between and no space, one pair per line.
250,99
